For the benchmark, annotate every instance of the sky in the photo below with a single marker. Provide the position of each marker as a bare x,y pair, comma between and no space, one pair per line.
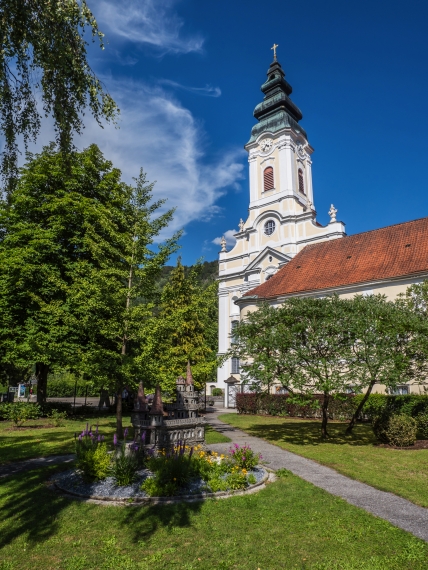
187,74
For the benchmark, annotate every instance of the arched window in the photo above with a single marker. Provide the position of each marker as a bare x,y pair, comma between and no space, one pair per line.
301,182
268,179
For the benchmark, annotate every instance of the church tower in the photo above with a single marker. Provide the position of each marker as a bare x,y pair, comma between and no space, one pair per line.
282,216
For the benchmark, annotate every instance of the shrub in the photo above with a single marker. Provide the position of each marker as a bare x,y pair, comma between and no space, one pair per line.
341,407
48,407
244,457
217,392
379,426
58,417
20,412
93,458
422,421
126,462
401,430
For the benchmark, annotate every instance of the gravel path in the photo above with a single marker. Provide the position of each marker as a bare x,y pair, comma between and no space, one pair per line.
397,511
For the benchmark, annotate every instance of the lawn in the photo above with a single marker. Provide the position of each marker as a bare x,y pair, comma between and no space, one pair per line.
289,524
403,472
35,440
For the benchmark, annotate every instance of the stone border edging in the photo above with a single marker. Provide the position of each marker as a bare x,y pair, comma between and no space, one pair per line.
141,501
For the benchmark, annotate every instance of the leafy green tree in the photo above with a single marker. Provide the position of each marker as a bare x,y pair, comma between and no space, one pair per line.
384,336
74,256
184,330
44,52
303,344
115,301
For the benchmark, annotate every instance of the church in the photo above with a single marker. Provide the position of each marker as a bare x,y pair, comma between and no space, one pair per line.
281,250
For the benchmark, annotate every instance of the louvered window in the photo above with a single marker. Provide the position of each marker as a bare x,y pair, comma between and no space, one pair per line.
268,179
235,365
301,182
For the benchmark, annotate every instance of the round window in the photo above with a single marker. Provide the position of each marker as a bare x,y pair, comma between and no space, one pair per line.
269,227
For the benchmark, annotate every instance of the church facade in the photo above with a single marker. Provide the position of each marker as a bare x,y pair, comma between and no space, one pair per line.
282,250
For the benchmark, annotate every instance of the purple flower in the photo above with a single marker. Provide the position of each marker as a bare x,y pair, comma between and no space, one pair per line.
96,431
99,438
143,436
115,439
125,433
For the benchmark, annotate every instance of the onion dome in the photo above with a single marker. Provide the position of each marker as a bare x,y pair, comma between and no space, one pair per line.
277,111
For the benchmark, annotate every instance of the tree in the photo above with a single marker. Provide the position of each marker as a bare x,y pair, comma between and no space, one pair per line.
185,329
44,51
304,344
74,255
384,338
115,300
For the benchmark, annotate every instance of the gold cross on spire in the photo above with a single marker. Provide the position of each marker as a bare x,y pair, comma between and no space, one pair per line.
274,51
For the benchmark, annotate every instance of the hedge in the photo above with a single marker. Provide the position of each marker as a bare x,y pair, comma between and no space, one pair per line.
279,405
339,408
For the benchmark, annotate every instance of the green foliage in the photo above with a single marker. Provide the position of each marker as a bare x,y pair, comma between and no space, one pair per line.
422,421
63,384
304,346
80,244
124,466
236,480
185,330
20,412
58,417
244,457
401,430
44,52
217,392
92,456
282,473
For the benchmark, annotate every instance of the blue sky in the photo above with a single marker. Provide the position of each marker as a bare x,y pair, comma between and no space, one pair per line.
187,76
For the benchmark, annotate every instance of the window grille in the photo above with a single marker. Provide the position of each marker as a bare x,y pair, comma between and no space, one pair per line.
235,365
301,182
269,227
234,324
268,179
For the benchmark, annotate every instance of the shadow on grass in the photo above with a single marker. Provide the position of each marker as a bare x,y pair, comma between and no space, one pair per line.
17,445
142,523
309,433
30,508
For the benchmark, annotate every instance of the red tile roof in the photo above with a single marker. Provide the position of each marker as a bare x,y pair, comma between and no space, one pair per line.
385,253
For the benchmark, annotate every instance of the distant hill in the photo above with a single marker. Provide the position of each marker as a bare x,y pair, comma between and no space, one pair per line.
209,273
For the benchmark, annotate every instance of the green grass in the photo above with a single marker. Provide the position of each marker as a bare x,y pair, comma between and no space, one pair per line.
34,440
213,436
290,524
403,472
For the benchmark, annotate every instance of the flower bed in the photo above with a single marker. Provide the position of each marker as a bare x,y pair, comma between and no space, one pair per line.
133,473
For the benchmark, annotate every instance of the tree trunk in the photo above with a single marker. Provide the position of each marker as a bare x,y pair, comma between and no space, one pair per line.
358,410
324,433
119,425
42,371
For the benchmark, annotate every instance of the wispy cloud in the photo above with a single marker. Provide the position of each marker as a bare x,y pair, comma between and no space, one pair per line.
159,134
229,237
151,22
207,91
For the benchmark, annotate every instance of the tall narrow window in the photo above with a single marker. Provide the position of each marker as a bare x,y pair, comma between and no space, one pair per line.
234,324
301,182
235,365
268,179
